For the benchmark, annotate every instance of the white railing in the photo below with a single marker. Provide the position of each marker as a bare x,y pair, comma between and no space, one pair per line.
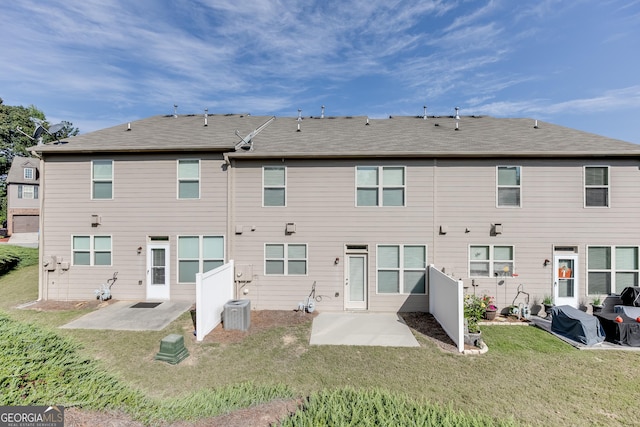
445,304
213,290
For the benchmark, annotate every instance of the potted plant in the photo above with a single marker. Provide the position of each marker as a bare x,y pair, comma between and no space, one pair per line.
596,304
490,309
547,301
474,309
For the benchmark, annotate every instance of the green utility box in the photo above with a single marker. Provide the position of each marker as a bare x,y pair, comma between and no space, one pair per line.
172,349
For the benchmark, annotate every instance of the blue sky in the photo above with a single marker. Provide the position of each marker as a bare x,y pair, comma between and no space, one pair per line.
99,63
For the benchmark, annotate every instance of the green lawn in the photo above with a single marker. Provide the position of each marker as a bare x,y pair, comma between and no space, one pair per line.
527,375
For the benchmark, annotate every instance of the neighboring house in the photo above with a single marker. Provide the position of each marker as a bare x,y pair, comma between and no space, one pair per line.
351,207
23,204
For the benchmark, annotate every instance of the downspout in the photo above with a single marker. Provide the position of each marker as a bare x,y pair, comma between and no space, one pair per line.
230,241
435,234
42,272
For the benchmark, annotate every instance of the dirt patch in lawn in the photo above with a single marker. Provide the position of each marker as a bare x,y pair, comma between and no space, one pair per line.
428,326
264,415
50,305
261,320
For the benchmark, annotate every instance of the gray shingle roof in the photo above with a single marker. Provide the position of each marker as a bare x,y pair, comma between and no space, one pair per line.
351,136
16,172
162,133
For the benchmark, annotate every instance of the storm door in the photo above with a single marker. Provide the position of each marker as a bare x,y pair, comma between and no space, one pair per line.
565,281
355,282
158,272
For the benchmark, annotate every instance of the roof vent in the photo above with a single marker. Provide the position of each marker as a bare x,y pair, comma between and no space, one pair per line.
535,124
457,113
129,126
457,128
175,110
424,115
299,114
206,117
367,124
298,127
322,113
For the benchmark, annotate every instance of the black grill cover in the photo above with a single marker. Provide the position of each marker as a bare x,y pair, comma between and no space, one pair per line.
576,325
631,296
625,333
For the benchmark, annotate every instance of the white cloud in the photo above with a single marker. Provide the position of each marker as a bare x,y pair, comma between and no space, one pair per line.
114,59
612,100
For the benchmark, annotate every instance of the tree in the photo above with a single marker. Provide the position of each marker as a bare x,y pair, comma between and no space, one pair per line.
15,143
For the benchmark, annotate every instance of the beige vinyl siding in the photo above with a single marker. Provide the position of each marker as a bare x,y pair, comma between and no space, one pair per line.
552,213
321,202
14,202
144,204
457,193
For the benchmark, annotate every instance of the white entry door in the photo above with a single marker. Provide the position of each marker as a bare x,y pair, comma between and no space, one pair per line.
565,281
158,272
355,295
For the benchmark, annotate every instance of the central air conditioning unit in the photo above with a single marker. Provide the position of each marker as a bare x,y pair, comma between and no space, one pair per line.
237,315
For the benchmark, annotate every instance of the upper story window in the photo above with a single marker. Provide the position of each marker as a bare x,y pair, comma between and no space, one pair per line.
274,184
189,179
401,269
91,250
490,261
198,254
27,191
596,186
285,259
508,188
610,269
102,179
380,186
29,173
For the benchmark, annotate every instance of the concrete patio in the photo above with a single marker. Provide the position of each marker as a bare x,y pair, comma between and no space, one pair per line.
122,316
366,329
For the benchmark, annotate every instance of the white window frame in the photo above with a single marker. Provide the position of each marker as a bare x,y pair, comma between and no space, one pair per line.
266,187
286,259
95,180
201,259
613,268
492,261
499,187
180,180
92,251
401,268
380,186
29,174
27,191
606,186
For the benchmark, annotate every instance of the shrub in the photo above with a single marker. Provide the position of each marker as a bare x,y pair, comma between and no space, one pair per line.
38,367
474,308
16,256
349,407
8,262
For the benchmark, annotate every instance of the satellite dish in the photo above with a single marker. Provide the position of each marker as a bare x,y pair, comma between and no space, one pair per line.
56,128
38,132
